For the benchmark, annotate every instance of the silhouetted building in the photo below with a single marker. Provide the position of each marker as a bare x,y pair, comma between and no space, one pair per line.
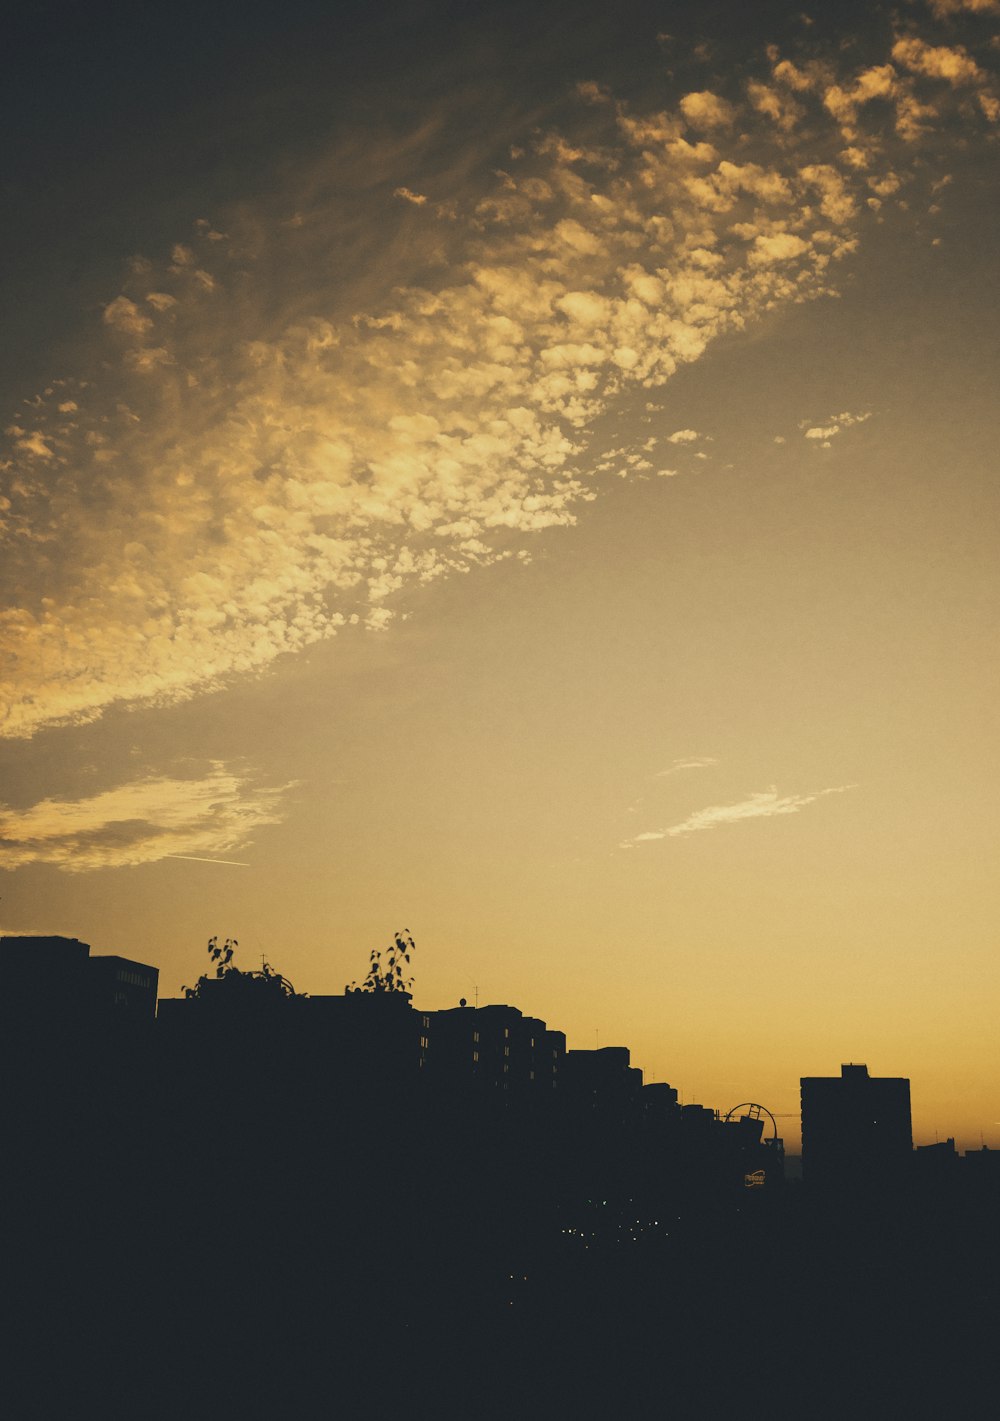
52,983
603,1078
700,1119
374,1037
352,1041
856,1129
982,1168
121,989
936,1156
659,1101
495,1047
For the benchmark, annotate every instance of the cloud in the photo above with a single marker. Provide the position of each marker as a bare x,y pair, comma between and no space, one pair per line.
762,805
125,316
955,65
683,436
835,424
408,195
707,110
778,106
849,99
952,64
696,762
777,247
247,460
942,8
154,818
690,762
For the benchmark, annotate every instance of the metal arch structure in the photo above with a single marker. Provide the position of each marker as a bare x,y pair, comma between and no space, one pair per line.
754,1112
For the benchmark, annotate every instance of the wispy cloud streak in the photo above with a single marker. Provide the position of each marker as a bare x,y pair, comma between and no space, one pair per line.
193,858
694,762
154,818
764,804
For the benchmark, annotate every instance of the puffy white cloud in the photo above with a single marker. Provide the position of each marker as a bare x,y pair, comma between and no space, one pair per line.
124,315
953,64
885,185
153,818
245,466
790,76
776,104
707,110
835,200
777,247
834,425
848,98
32,442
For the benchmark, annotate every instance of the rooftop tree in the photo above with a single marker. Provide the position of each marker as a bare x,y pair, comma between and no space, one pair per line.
385,969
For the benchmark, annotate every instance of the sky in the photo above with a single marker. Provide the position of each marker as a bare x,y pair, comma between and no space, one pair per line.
525,482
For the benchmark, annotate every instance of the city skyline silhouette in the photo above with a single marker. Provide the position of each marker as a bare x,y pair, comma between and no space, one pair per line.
325,1171
48,980
531,481
526,473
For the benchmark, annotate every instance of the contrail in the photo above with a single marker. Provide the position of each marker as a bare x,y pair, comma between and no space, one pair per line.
192,859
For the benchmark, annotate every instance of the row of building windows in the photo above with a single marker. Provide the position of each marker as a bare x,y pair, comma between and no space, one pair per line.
136,979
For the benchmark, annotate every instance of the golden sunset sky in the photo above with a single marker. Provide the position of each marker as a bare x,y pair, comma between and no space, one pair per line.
529,478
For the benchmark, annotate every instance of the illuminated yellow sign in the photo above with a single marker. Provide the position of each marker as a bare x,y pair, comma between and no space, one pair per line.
755,1180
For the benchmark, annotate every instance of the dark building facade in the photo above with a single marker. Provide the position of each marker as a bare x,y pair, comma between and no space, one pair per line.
496,1048
603,1078
53,983
856,1129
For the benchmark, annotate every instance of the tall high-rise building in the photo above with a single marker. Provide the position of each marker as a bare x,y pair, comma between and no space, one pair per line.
856,1128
